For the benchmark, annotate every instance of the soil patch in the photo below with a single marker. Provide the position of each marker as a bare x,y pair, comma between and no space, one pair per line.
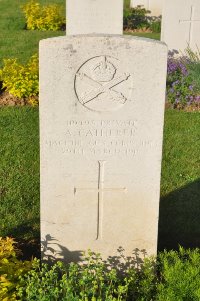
7,99
139,30
195,107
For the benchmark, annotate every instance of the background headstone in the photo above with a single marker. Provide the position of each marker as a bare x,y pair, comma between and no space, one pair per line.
181,24
94,16
155,6
101,123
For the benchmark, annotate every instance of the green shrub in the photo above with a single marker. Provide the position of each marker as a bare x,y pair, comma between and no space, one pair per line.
135,18
10,269
90,281
144,286
21,80
180,276
174,276
40,17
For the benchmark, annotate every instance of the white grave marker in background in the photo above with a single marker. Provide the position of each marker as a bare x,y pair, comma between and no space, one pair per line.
101,122
155,6
85,17
181,24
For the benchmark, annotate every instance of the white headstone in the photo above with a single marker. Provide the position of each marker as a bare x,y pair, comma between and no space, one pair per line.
181,24
94,16
101,123
155,6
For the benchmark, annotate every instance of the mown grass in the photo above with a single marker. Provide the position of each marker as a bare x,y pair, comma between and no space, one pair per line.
149,35
180,181
15,41
180,186
19,172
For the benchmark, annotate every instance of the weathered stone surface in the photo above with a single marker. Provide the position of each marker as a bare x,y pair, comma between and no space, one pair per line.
94,16
101,120
181,24
155,6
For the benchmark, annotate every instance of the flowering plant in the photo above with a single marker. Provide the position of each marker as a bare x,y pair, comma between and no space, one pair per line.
181,87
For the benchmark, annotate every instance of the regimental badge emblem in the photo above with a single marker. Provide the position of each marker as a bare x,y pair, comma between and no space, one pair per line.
100,85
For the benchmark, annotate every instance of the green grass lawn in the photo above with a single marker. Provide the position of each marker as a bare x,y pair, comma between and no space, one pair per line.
155,36
19,172
180,186
16,42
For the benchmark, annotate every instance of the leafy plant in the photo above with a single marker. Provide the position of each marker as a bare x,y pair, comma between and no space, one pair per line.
10,269
90,281
174,275
155,24
93,280
194,67
40,17
21,80
135,18
180,276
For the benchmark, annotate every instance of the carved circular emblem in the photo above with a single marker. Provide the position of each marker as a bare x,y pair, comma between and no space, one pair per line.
100,85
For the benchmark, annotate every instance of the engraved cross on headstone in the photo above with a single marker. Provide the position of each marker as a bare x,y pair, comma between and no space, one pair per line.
100,197
190,21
